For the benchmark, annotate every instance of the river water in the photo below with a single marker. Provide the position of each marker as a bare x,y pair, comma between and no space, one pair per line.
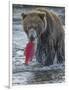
33,73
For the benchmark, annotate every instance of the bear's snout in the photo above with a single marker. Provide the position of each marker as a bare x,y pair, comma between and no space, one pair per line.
32,34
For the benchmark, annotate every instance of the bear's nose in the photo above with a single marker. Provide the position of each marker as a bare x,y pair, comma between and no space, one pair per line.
32,38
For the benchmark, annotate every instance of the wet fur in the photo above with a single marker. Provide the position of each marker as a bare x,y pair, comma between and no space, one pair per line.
50,39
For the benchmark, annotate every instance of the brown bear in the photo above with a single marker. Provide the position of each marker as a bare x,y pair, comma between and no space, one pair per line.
45,27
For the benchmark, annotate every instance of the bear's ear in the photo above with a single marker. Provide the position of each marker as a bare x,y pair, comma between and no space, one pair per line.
23,15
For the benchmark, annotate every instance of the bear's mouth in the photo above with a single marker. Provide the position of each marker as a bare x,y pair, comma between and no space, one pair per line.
32,38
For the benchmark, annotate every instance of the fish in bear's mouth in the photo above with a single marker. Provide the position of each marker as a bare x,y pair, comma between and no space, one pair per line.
32,35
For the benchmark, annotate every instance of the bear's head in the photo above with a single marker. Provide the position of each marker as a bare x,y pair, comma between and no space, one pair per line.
34,23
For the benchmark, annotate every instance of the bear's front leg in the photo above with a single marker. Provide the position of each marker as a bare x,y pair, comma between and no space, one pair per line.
50,55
